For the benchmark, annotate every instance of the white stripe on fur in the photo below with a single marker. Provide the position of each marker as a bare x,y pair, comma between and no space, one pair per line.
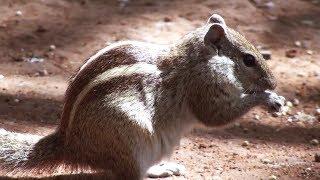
124,70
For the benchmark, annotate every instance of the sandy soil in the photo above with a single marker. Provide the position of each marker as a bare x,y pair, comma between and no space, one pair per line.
31,94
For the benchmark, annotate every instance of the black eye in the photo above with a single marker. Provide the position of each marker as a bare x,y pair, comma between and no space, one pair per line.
249,60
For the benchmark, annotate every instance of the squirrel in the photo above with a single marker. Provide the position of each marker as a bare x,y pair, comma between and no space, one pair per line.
129,105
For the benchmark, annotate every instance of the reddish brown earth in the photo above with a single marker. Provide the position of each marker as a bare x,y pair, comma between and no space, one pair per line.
31,99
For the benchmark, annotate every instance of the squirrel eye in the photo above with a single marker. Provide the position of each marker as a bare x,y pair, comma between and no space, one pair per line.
249,60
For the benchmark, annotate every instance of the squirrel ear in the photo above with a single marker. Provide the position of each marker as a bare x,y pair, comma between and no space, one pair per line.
216,18
214,34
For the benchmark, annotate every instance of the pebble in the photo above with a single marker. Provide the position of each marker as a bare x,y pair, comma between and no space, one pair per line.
291,53
307,22
314,142
35,60
303,117
266,54
19,13
3,25
16,100
245,143
296,102
310,52
317,110
1,76
236,124
245,130
315,1
298,43
43,72
317,157
289,104
167,19
216,178
272,17
52,47
257,117
300,74
276,114
202,146
41,29
308,169
273,177
269,5
266,161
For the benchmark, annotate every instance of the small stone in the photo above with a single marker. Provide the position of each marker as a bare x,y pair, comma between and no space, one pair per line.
298,43
290,120
235,154
310,52
307,22
272,17
266,54
266,161
276,114
289,104
16,100
291,53
1,76
236,124
296,102
300,74
245,130
18,13
273,177
257,117
245,143
3,25
315,1
303,117
167,19
202,146
317,157
308,169
41,29
314,142
269,5
35,60
18,59
216,178
301,124
318,111
52,47
43,73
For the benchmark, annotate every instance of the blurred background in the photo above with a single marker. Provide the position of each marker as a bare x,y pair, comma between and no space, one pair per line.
43,42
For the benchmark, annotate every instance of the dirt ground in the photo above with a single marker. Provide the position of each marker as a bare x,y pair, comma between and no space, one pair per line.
31,93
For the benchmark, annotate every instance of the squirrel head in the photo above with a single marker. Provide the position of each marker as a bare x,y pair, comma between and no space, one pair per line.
250,67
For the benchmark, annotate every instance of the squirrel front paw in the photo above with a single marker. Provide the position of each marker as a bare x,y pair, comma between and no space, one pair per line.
275,101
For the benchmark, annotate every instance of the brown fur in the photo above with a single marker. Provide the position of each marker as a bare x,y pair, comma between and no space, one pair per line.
125,124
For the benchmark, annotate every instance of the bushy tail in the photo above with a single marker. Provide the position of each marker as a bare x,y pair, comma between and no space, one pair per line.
25,152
